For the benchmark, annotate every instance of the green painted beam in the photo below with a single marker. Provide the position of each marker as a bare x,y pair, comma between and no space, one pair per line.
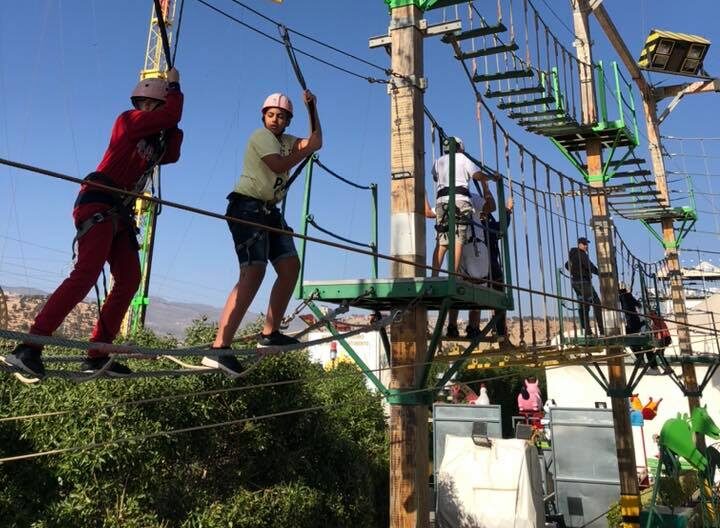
384,294
527,102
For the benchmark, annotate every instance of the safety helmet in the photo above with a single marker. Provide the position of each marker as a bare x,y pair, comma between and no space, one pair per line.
460,145
152,88
278,100
622,286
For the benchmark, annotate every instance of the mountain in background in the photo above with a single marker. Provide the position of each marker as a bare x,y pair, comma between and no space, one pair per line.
163,316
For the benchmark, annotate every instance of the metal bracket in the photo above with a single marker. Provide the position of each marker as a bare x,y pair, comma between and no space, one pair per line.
444,28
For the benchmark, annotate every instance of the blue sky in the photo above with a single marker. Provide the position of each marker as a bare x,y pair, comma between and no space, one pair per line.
67,68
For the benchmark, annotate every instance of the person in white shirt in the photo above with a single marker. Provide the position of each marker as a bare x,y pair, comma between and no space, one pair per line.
465,171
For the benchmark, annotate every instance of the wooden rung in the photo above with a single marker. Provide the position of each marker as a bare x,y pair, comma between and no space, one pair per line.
628,174
628,161
539,113
629,185
547,121
500,76
527,102
477,32
494,50
517,91
614,195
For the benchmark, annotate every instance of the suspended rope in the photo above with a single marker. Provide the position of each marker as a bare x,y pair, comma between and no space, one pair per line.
160,16
334,174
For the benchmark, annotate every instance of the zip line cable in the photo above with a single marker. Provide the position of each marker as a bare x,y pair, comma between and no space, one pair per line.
264,227
307,54
172,432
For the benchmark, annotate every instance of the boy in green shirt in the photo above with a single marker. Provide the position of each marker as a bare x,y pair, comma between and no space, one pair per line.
269,156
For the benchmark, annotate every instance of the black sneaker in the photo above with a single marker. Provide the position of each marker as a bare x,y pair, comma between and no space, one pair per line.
276,339
27,358
115,369
228,364
472,332
452,331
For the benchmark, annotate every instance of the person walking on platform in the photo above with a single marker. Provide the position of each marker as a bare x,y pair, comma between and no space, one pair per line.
633,324
141,138
269,156
581,272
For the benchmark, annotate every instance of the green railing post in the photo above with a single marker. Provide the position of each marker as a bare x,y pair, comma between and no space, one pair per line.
602,95
304,228
561,331
556,90
452,148
374,229
618,94
634,115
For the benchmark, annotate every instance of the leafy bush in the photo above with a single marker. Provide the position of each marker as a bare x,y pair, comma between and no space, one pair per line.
292,469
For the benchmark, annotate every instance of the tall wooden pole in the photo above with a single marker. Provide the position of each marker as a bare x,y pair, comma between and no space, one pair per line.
602,229
409,466
677,291
650,98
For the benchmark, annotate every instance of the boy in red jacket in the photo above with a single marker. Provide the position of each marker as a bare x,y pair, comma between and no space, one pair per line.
141,139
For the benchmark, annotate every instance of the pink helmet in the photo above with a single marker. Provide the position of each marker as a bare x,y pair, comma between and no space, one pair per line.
152,88
278,100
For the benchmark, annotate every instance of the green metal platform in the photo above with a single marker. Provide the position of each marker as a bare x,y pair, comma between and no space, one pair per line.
387,294
608,341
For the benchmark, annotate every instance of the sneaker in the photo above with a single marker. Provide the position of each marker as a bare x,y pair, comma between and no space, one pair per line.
227,363
115,369
276,339
27,358
452,331
472,332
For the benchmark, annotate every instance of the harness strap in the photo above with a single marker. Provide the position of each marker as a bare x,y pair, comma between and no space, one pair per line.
445,191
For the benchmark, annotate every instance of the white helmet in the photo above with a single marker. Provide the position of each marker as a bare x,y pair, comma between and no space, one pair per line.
460,145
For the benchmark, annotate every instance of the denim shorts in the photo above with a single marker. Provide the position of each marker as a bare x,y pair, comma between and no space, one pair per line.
254,245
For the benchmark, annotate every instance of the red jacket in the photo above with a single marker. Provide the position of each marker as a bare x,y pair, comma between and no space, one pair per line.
659,327
133,146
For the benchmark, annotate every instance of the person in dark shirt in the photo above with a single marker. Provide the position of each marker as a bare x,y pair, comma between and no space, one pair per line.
630,304
633,324
581,272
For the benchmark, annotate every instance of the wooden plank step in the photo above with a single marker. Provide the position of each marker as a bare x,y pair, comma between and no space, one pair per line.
559,130
629,174
517,91
630,185
526,102
477,32
546,121
500,76
485,52
628,161
613,196
539,113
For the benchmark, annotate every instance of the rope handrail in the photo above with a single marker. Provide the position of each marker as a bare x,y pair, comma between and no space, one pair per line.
369,187
329,243
312,222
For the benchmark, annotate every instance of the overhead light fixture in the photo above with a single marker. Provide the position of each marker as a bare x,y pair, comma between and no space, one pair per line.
678,53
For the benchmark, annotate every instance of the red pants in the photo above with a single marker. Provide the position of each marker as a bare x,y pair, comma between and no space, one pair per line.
97,246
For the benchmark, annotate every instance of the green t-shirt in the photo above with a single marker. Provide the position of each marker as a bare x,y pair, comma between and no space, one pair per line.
257,180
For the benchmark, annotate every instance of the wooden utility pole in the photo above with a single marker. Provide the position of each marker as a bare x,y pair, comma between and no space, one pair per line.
602,229
650,98
677,290
409,465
